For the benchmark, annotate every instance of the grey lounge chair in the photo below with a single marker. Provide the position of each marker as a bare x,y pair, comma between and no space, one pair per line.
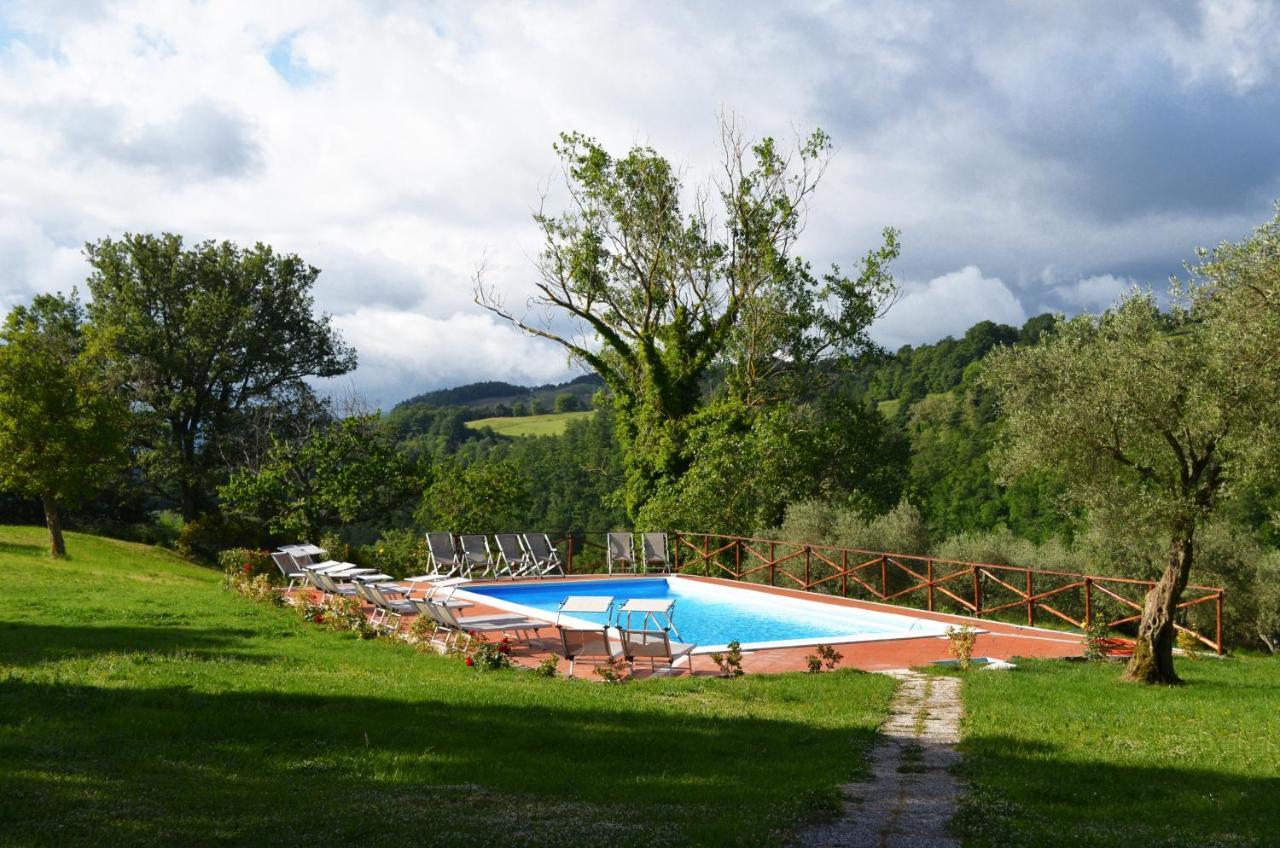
655,646
467,627
543,554
476,555
513,561
443,554
655,552
621,552
295,575
585,644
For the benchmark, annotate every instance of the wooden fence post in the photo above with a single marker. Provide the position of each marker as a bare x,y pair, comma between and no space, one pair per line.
1031,605
568,557
675,554
773,564
737,559
884,577
930,590
1218,629
1088,602
807,552
977,592
844,573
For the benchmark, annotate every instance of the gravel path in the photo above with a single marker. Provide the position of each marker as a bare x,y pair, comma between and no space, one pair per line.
912,793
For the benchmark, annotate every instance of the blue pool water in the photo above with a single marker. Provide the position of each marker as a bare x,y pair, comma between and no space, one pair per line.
713,615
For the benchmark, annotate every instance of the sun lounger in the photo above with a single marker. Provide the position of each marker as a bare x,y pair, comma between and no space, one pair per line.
655,552
585,644
476,555
543,554
586,604
621,552
513,560
295,575
393,610
655,646
468,627
442,553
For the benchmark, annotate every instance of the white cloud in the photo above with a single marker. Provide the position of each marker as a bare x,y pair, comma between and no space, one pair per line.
403,353
947,306
1093,293
397,145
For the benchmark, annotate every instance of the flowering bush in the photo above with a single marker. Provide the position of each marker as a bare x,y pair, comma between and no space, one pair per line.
397,552
249,561
341,613
490,656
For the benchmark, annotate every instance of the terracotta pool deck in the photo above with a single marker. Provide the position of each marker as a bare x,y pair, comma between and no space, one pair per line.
998,639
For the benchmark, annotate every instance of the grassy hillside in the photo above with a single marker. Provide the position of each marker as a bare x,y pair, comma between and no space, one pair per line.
552,424
141,704
1069,755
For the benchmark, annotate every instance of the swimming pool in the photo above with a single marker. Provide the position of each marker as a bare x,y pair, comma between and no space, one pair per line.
712,614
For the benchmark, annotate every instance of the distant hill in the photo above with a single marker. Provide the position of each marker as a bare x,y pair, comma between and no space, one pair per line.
492,393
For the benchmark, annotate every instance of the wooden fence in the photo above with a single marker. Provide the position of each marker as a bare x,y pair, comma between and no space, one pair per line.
941,585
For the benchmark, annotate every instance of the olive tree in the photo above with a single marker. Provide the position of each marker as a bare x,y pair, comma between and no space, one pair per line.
1148,416
61,422
654,291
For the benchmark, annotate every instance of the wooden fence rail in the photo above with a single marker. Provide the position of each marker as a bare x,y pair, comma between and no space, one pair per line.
971,588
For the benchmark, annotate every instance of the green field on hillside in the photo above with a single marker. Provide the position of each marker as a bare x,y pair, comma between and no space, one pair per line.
140,704
552,424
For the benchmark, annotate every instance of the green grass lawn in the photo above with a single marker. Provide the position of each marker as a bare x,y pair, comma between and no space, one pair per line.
552,424
141,704
1067,755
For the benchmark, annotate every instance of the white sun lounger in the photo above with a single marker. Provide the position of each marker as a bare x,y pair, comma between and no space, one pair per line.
655,646
543,554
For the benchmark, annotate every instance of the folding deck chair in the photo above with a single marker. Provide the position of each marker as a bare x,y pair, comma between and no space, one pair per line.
443,554
476,554
621,550
468,626
543,554
295,575
655,552
513,561
580,643
655,646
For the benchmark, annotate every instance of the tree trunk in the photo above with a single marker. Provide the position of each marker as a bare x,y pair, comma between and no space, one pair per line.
1152,660
57,547
187,499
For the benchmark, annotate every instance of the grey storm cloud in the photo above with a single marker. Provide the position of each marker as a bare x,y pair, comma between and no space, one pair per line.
203,140
1035,156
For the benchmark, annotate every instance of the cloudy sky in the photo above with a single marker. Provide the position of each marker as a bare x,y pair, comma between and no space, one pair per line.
1035,156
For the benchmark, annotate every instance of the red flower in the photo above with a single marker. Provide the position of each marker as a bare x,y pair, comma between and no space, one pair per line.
470,662
247,567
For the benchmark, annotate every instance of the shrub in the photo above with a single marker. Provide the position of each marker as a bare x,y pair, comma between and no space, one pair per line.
345,614
814,662
960,644
730,663
1096,634
830,656
203,538
490,656
399,553
249,561
422,631
548,667
615,670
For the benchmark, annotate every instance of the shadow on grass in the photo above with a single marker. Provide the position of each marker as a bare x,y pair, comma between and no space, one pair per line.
24,644
127,766
24,550
1030,793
